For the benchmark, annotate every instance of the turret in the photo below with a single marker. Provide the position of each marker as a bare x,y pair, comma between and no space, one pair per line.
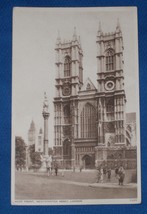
99,32
58,41
74,35
118,29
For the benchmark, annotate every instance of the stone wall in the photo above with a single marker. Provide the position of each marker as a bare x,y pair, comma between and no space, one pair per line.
116,156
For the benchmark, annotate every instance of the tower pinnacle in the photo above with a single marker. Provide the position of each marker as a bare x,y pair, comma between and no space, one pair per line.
118,29
99,32
58,38
74,34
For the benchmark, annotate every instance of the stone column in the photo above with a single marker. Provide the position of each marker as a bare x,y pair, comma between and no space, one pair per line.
45,147
45,114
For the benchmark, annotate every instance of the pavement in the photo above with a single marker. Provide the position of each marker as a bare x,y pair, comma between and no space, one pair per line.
102,185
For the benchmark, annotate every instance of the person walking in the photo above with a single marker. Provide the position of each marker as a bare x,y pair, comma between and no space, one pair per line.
116,171
121,175
97,175
56,168
101,175
81,167
109,174
104,172
48,166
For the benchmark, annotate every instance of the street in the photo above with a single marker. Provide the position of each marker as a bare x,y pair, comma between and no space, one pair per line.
41,187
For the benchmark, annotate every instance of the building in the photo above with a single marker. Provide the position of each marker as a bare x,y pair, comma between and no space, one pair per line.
32,134
131,128
89,117
39,142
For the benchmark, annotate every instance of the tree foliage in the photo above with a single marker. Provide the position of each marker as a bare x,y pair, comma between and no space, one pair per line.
20,151
34,156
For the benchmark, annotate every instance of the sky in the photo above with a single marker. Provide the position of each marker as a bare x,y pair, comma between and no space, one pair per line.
35,31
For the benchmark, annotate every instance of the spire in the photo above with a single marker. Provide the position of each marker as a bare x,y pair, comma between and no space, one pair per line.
118,29
32,126
74,34
58,38
100,29
99,32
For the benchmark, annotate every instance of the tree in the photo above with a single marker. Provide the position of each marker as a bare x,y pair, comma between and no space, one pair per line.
20,152
35,156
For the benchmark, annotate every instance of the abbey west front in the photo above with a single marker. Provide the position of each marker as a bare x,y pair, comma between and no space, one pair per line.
90,125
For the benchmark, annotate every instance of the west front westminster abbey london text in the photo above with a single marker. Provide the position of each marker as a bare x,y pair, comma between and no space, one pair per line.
90,124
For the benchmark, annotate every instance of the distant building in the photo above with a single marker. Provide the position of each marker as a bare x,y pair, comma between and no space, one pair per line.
131,128
32,134
39,142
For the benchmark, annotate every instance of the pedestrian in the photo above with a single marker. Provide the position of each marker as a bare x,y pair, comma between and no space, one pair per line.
109,174
81,167
48,166
56,168
97,175
104,172
52,167
101,175
121,173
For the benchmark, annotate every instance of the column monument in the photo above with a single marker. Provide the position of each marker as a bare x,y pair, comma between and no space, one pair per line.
45,158
45,114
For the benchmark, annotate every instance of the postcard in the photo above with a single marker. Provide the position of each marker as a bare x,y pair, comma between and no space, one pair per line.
75,106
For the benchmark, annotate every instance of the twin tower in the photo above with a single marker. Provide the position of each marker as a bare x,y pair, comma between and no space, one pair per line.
88,116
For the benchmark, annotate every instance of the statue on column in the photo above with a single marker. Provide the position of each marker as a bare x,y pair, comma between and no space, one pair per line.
45,159
45,104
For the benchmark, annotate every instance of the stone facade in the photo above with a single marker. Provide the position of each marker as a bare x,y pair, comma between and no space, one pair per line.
116,156
89,117
131,129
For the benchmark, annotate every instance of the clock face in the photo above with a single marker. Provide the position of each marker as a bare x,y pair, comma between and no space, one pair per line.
109,85
66,90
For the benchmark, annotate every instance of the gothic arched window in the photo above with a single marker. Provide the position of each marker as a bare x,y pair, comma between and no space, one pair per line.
67,66
109,60
110,110
66,111
88,122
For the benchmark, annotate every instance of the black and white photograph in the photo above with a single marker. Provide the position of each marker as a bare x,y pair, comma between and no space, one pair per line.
75,106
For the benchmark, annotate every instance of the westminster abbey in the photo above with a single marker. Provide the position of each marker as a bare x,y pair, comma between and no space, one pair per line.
89,119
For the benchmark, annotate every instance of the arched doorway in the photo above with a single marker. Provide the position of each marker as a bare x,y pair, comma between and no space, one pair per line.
87,162
67,153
